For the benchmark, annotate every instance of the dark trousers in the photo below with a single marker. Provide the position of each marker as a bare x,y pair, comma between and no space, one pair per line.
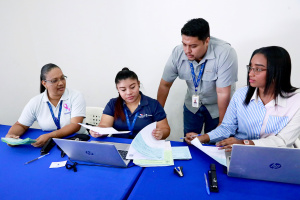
194,122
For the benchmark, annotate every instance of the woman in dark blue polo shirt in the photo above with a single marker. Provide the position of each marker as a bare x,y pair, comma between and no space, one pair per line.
132,110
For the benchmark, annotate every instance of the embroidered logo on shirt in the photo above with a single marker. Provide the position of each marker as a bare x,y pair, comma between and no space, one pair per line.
66,107
144,115
68,110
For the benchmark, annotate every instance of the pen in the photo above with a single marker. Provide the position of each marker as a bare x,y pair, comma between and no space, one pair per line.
192,136
36,158
207,189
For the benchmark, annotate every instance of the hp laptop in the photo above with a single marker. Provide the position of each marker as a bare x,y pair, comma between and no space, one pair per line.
264,163
105,153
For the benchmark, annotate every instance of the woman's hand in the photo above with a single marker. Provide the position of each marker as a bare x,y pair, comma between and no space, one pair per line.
41,140
157,133
96,134
189,137
227,143
12,136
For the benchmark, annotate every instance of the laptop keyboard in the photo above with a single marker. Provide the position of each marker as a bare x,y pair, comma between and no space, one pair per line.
123,154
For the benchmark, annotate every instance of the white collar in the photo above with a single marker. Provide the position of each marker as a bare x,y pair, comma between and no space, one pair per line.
280,100
64,97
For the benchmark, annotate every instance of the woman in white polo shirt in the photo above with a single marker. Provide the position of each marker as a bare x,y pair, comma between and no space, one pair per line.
56,109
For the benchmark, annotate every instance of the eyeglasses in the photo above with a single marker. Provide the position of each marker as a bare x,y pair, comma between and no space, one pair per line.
56,80
255,70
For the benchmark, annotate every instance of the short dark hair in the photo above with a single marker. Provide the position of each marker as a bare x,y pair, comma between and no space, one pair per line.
45,69
125,73
279,69
196,28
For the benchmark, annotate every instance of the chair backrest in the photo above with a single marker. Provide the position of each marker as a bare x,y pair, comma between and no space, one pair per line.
93,115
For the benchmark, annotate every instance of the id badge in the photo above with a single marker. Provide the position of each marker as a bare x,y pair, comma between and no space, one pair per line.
195,101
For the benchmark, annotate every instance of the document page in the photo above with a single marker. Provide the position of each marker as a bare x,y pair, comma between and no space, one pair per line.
103,131
167,161
213,152
145,146
181,153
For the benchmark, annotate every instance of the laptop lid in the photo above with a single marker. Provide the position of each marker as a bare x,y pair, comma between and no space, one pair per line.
102,153
265,163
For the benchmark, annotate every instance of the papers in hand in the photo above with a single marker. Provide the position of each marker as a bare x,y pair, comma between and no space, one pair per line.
145,146
13,141
167,161
146,151
213,152
103,131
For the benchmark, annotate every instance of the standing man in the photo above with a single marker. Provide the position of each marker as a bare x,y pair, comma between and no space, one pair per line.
209,66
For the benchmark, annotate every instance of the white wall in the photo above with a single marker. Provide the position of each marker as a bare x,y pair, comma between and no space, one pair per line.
91,40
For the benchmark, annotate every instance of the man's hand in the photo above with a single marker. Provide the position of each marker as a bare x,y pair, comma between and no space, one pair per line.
190,136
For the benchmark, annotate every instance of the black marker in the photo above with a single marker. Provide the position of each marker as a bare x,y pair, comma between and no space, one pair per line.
213,183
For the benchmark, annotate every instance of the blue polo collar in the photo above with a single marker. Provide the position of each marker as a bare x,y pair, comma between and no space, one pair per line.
143,102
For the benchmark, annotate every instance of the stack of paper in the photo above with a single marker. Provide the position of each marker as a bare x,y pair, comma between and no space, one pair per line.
13,141
167,161
145,150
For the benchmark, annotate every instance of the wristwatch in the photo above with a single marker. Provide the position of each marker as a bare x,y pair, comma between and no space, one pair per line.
246,142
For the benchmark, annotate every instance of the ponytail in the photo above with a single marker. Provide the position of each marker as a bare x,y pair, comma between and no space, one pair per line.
119,112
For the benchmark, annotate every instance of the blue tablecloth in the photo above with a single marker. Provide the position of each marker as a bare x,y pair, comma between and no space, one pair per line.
162,183
37,181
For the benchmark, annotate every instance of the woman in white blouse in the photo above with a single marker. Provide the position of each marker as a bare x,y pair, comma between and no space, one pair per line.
266,112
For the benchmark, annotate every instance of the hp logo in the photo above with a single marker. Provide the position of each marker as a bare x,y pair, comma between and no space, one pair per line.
89,153
275,165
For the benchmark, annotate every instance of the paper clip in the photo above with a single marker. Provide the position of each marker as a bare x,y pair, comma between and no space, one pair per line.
178,171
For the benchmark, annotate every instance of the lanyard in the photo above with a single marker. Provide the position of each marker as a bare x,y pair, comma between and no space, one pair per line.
196,83
56,120
130,126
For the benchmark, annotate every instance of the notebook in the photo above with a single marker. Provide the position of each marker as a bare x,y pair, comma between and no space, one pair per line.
264,163
105,153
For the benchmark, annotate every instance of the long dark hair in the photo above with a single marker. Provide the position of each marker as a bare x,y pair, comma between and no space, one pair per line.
279,69
45,69
125,73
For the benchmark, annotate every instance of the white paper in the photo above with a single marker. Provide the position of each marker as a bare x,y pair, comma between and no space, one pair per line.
58,164
103,131
145,146
214,152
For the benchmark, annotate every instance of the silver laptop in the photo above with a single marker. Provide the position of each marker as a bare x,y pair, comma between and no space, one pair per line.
264,163
105,153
